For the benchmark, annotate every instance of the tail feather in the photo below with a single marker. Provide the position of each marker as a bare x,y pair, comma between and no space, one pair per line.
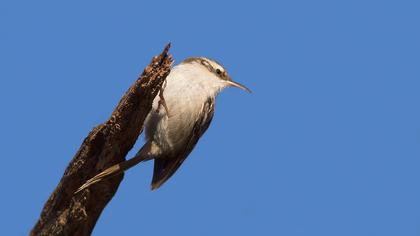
112,171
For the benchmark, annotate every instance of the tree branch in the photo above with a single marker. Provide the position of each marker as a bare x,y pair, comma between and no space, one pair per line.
107,144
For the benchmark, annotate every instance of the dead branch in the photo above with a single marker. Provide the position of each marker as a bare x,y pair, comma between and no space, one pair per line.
107,144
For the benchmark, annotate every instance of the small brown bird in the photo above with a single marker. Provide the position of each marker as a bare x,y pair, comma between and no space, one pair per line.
178,118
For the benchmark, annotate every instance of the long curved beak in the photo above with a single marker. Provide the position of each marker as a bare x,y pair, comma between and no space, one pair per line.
238,85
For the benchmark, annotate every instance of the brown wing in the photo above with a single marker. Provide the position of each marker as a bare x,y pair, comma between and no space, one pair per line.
164,168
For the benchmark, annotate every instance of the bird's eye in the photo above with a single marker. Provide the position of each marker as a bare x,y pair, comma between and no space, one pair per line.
218,71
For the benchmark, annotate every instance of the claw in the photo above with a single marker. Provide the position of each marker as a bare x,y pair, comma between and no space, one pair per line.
162,101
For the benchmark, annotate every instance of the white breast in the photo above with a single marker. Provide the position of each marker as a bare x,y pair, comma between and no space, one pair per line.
188,87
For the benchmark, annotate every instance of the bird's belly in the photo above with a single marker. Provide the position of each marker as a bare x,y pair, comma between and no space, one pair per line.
171,128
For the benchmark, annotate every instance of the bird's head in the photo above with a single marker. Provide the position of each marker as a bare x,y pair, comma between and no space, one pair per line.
214,71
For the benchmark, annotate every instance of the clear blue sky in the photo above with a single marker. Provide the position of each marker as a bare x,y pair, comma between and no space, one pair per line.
328,143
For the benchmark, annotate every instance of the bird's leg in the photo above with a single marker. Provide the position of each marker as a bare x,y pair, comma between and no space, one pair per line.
162,99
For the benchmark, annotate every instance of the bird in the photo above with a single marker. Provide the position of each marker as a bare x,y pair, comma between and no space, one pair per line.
180,115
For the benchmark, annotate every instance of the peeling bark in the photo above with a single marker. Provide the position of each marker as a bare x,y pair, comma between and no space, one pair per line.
107,144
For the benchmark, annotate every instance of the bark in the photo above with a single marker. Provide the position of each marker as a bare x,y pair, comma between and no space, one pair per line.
66,213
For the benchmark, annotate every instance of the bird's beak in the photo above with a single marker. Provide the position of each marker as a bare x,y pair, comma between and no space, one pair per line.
238,85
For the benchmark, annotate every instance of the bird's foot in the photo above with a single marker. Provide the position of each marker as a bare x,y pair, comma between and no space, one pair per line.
162,101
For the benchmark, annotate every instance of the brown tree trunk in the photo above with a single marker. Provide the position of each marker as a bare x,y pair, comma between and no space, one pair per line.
66,213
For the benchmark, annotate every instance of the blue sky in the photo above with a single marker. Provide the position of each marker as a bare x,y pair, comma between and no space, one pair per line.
328,143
